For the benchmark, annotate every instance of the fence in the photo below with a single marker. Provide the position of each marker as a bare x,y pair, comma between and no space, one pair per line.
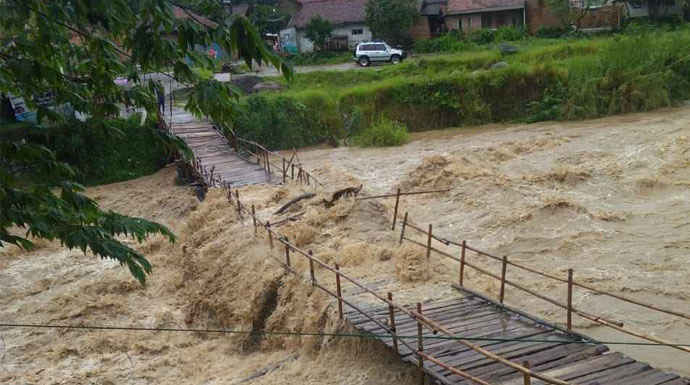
570,283
418,315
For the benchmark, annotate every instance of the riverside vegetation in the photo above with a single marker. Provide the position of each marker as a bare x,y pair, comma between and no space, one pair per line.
547,79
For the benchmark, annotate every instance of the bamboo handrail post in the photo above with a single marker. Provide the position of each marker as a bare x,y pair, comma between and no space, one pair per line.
254,218
503,278
287,252
292,171
420,345
402,231
391,315
339,291
270,234
570,299
527,379
239,205
428,243
395,211
284,171
311,268
462,263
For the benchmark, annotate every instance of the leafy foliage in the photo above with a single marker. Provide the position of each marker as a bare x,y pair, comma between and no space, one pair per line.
268,18
75,49
392,19
384,132
318,30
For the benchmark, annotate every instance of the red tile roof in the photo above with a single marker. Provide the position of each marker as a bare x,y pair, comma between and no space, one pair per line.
182,14
335,11
470,6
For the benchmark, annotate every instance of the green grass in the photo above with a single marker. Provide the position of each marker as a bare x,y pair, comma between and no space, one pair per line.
546,79
320,58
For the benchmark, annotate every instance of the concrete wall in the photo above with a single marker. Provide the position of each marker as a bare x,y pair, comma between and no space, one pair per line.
538,15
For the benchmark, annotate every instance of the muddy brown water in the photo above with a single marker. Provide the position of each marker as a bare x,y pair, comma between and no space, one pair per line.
609,198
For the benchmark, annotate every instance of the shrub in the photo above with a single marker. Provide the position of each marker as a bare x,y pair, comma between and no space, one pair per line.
551,32
384,132
450,42
510,34
482,36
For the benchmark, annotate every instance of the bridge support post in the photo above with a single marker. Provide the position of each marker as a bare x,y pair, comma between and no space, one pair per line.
292,171
527,379
391,313
287,252
339,291
270,234
428,243
254,218
503,278
462,263
284,171
239,205
420,345
311,268
395,211
570,299
402,231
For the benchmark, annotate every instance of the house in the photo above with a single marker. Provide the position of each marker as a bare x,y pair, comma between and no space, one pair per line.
347,17
431,19
599,15
470,15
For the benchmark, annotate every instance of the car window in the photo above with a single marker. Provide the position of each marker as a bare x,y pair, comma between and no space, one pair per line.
379,47
365,47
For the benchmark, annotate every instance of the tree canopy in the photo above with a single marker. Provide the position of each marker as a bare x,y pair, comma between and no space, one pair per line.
392,19
319,31
75,50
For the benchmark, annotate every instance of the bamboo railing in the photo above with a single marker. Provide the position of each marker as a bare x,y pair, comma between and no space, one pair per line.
502,278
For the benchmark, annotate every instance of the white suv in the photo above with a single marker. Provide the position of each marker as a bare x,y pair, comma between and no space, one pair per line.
369,52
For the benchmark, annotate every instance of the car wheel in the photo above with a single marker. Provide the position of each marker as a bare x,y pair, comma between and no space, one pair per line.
395,59
363,61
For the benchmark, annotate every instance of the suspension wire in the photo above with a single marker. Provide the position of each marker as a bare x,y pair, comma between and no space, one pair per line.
322,334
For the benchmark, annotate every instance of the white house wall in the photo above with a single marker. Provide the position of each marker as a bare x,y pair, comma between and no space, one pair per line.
305,45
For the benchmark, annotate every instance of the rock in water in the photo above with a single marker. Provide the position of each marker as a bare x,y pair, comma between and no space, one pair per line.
498,65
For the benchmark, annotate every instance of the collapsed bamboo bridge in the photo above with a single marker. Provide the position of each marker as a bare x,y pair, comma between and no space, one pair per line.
462,338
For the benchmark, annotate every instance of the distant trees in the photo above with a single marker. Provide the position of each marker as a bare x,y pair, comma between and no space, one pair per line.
392,19
318,30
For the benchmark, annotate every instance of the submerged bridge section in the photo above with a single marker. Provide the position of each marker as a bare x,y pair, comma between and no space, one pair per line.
515,336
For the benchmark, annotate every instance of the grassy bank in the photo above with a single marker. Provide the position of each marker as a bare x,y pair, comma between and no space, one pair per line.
547,79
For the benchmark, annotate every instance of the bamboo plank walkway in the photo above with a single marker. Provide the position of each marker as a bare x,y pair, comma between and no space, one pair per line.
211,149
472,315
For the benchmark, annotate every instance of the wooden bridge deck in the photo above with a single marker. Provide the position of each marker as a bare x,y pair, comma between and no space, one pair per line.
211,149
471,315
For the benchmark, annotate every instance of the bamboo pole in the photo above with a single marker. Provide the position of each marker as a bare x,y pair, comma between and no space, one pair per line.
402,231
239,205
311,268
570,299
391,315
527,379
462,263
428,244
402,193
292,171
503,278
339,291
270,234
395,212
254,218
287,252
420,345
284,171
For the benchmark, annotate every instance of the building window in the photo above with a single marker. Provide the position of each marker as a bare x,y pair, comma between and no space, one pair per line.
358,31
487,20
